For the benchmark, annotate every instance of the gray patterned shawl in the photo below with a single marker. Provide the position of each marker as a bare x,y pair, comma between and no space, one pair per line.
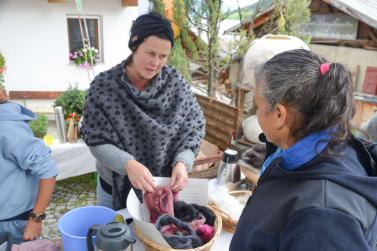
153,125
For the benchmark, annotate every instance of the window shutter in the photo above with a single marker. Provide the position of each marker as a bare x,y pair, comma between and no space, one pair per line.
370,81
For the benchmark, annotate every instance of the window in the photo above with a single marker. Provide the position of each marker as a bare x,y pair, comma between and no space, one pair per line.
331,26
94,29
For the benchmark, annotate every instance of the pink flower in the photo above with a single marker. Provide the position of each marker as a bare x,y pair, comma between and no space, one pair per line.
85,65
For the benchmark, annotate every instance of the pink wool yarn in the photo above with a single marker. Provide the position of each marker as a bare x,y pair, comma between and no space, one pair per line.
206,232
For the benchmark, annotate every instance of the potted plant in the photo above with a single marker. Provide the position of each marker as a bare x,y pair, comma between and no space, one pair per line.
72,101
2,64
84,57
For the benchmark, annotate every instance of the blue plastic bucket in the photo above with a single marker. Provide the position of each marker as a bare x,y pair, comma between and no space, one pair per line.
74,225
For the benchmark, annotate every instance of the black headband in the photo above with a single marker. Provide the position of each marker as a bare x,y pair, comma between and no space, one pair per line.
147,25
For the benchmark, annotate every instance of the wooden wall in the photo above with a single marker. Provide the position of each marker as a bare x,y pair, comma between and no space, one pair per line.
221,121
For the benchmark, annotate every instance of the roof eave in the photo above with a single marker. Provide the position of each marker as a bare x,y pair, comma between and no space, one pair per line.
348,8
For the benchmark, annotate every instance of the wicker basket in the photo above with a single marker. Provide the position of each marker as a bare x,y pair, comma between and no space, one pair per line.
151,246
229,224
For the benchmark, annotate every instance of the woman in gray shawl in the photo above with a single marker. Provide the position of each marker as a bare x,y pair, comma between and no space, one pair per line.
141,118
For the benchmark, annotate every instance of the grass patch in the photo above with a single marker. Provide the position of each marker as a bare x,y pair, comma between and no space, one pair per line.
88,180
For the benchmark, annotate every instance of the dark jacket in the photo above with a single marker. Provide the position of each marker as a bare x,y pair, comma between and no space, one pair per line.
330,203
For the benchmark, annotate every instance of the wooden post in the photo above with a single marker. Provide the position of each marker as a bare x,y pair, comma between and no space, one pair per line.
240,100
240,104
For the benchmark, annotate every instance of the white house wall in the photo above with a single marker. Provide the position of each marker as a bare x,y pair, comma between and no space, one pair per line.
34,41
352,57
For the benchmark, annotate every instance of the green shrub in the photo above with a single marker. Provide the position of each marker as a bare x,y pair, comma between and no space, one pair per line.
2,81
2,60
2,65
39,126
72,100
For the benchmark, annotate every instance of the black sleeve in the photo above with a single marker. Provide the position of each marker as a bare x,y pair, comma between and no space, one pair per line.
323,229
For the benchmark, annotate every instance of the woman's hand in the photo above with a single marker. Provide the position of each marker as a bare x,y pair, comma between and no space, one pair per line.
33,230
140,176
179,177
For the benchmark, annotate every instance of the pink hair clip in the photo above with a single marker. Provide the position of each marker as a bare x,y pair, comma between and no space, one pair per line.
324,68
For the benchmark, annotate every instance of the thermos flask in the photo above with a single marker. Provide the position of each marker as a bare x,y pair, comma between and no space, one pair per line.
60,124
228,169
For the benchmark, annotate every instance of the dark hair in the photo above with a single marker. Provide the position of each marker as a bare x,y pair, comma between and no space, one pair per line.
323,101
138,43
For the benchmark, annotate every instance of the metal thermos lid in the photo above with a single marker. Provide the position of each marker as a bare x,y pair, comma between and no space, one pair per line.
58,109
230,156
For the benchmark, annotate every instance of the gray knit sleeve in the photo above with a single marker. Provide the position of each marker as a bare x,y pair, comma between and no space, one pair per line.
111,156
186,157
371,127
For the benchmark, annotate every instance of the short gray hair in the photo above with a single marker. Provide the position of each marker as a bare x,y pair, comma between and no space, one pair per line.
323,100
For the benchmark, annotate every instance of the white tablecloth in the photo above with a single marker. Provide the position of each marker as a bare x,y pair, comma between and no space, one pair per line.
72,159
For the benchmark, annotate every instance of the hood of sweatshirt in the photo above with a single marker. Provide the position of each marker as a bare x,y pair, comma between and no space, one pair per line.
353,166
10,111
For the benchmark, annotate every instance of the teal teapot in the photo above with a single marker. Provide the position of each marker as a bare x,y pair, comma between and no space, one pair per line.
114,236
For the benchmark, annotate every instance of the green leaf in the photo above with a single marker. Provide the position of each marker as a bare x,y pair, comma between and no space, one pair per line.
2,60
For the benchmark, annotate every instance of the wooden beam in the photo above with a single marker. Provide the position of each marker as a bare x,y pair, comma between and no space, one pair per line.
127,3
33,95
261,20
373,36
57,1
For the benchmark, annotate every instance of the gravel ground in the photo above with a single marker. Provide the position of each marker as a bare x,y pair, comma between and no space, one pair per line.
70,193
